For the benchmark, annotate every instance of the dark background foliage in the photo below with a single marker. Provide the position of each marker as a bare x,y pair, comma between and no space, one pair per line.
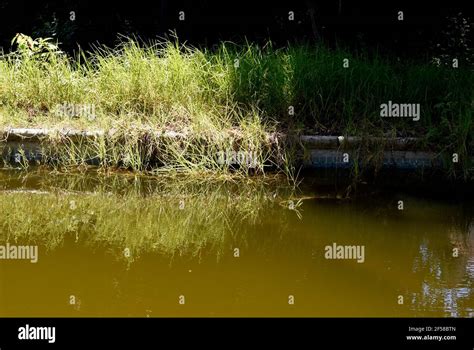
358,24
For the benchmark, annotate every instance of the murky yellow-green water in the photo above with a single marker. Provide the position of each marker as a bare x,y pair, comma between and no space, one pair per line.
125,246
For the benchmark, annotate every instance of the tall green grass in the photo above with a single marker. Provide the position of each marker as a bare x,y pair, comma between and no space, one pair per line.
246,89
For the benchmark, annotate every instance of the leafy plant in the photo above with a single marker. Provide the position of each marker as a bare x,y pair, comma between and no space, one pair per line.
40,47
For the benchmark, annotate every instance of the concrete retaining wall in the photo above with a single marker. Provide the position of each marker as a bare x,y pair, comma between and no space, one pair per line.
326,152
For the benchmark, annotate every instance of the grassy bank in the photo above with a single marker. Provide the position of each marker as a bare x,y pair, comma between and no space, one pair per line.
230,96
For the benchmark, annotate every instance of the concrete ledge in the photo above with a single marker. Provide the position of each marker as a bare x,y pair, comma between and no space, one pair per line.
309,141
335,142
327,152
36,135
402,160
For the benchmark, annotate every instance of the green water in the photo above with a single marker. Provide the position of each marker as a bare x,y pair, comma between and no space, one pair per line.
120,245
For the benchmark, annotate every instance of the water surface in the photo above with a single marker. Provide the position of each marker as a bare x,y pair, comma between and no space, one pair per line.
121,245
